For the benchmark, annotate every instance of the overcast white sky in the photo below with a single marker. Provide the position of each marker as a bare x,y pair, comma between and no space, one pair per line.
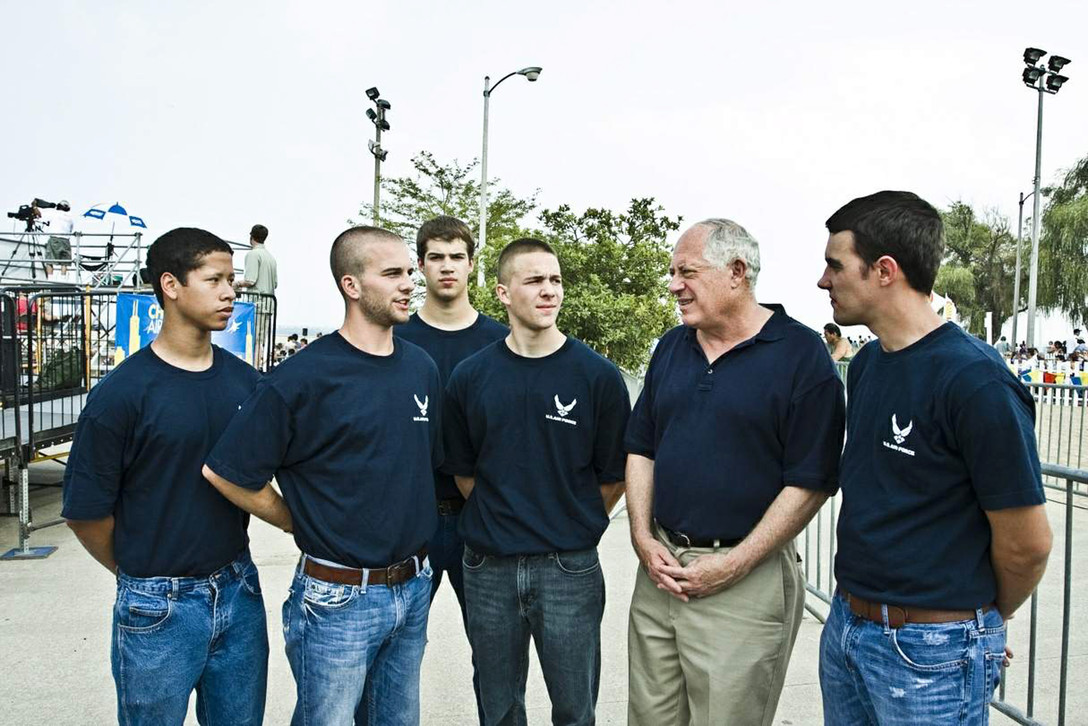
222,115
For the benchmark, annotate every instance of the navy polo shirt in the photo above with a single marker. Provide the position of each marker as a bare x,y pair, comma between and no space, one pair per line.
937,434
540,436
352,440
138,451
448,348
726,436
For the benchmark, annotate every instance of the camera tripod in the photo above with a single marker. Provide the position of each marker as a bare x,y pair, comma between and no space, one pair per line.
27,238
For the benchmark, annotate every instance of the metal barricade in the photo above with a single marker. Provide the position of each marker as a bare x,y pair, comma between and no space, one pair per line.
265,335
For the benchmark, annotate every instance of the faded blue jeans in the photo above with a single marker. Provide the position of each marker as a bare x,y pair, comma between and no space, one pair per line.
346,643
938,674
172,635
558,600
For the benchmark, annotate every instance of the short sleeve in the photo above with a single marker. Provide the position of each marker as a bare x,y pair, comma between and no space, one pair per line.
255,442
613,413
813,437
92,479
253,266
996,434
641,434
460,454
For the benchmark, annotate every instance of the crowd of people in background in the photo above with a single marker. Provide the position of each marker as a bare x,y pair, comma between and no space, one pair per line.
1071,351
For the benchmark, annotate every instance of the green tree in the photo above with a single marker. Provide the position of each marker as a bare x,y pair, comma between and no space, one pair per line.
454,189
1063,246
614,263
614,267
979,265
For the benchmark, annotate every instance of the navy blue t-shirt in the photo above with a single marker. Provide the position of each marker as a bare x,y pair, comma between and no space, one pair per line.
352,440
727,436
138,451
540,436
448,348
937,433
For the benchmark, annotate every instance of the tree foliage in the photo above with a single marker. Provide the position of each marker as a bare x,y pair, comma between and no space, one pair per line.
979,265
1063,246
452,188
614,263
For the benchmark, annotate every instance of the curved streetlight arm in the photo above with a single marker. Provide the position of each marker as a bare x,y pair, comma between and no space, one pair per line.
489,91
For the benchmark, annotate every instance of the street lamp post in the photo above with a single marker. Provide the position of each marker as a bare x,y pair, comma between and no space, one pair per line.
377,117
1046,79
1016,280
532,73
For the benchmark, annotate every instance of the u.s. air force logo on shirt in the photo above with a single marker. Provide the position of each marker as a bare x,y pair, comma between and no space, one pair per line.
899,435
422,406
564,411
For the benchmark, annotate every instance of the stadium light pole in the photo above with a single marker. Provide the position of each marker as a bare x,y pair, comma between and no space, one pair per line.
1016,280
377,117
532,73
1044,79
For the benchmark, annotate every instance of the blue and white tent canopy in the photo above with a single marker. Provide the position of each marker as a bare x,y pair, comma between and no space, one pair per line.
114,214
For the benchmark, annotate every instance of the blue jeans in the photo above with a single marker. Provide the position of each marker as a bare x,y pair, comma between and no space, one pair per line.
174,634
346,643
558,599
938,674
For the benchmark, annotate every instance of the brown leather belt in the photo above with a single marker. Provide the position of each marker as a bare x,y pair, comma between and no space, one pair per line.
898,615
395,574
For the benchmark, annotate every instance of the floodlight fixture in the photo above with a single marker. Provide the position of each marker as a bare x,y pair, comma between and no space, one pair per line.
532,72
371,115
384,125
1054,82
1031,75
1056,63
1033,55
382,103
372,93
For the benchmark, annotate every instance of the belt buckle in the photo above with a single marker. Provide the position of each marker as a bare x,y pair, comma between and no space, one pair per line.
395,571
683,537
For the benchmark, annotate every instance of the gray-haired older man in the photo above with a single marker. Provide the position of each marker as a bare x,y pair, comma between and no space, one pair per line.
733,446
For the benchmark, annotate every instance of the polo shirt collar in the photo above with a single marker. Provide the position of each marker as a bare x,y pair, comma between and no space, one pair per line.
773,329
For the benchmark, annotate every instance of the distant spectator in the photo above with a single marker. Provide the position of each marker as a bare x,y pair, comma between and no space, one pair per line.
303,343
1071,344
1002,346
260,273
837,346
1080,348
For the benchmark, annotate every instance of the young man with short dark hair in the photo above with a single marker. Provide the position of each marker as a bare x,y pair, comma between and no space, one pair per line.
350,429
189,612
534,435
943,531
450,330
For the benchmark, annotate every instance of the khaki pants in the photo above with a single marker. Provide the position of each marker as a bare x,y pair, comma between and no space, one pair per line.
715,660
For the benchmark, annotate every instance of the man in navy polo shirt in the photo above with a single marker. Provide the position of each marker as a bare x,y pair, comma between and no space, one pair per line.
450,330
189,612
734,444
534,437
943,530
350,428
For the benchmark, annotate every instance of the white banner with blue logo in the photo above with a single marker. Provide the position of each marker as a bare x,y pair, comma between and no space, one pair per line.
139,320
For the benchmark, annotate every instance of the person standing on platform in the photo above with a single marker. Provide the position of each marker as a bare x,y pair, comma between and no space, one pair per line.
189,613
733,446
450,330
350,429
943,532
534,437
260,271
